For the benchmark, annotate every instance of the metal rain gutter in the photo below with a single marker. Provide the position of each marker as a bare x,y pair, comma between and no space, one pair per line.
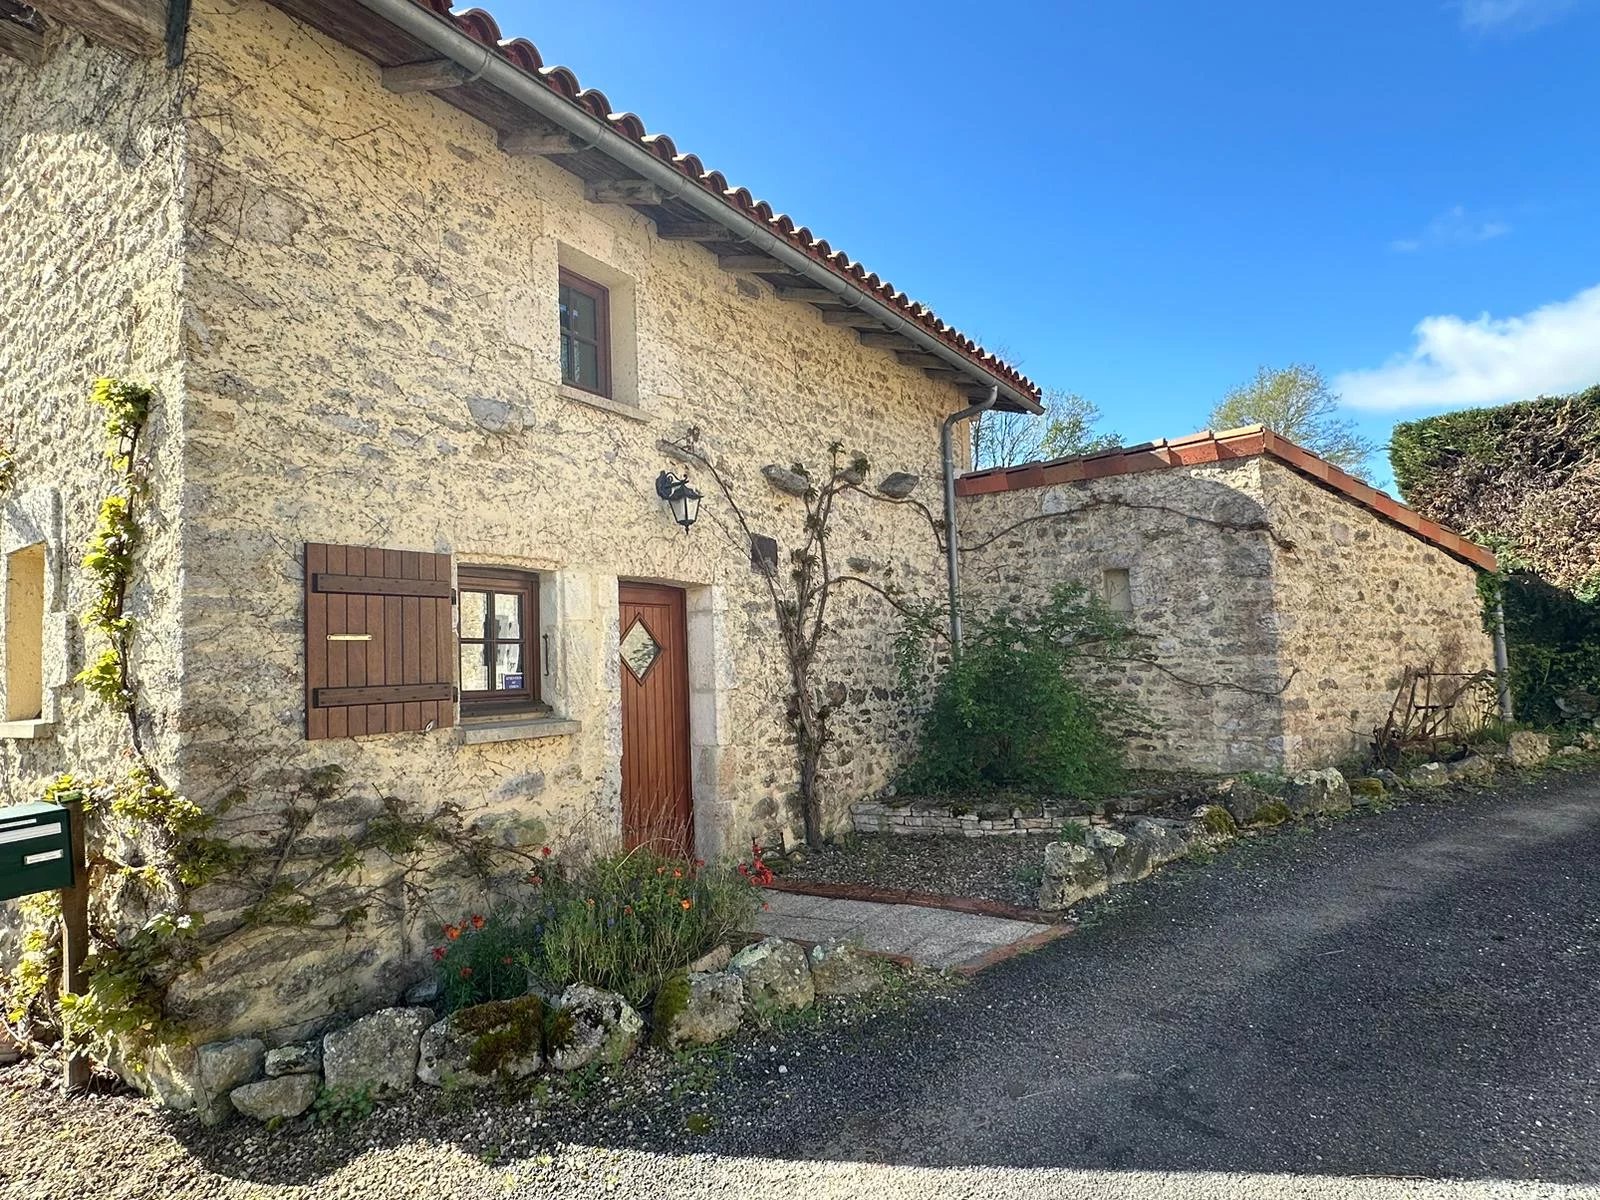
485,65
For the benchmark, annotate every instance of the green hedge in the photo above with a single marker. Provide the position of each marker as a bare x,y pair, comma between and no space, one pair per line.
1524,479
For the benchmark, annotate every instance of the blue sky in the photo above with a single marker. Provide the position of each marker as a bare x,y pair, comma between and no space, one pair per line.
1143,202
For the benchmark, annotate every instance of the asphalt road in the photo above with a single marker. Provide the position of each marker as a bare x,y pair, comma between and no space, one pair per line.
1399,1004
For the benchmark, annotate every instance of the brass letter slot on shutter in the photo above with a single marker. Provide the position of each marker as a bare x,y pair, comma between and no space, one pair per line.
349,637
369,585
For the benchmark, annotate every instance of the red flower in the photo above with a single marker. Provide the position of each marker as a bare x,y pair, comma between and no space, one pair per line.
466,972
627,910
438,954
545,852
452,932
477,921
506,961
536,880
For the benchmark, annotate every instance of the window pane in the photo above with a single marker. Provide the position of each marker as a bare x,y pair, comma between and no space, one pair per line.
508,662
578,312
580,364
507,616
474,670
474,614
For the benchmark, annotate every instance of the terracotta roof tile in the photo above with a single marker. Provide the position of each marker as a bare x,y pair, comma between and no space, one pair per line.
1209,447
482,28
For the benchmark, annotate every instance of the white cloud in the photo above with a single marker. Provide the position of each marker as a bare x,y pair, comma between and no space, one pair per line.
1453,227
1511,16
1457,363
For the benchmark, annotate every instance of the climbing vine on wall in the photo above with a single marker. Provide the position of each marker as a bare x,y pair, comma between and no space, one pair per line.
320,855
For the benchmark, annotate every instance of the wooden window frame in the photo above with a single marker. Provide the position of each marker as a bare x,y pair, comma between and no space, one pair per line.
499,702
601,295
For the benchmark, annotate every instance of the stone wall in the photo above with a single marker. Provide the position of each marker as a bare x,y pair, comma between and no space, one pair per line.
1359,600
1280,615
91,170
372,359
1203,597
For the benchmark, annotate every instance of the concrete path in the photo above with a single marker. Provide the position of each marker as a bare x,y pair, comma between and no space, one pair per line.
930,937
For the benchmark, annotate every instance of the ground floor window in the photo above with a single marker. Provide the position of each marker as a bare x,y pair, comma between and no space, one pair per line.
499,619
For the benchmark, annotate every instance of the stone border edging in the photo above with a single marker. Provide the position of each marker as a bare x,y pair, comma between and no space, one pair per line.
881,895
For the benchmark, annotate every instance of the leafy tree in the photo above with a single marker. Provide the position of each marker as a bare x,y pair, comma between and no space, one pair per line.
1296,402
1003,439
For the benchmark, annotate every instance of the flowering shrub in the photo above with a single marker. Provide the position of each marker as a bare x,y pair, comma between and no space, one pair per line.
624,923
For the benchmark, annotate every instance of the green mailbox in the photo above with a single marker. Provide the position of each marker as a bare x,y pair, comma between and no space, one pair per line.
35,849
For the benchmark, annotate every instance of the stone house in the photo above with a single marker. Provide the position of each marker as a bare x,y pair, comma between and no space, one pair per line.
427,325
424,321
1280,597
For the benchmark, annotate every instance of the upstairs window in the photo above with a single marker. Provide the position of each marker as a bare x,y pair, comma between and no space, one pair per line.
498,636
585,334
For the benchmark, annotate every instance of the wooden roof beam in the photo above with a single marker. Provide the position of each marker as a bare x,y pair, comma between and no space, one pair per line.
434,76
809,295
853,318
750,262
695,231
21,42
531,143
624,191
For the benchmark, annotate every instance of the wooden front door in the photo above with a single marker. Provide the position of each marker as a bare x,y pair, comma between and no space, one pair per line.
657,806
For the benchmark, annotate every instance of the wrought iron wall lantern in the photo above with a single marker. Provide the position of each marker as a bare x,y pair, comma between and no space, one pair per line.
682,500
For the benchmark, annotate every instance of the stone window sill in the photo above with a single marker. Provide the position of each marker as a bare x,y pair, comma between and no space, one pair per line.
604,403
515,729
26,731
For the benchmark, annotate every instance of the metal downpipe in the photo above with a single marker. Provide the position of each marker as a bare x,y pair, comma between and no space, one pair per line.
1502,664
952,550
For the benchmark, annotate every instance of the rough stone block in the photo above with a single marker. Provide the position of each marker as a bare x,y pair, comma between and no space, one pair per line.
590,1025
1071,873
280,1099
698,1008
1528,749
1312,793
377,1052
776,975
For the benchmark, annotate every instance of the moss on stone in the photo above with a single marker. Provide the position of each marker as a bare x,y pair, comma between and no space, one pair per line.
1273,812
557,1029
1369,787
671,999
502,1031
1219,821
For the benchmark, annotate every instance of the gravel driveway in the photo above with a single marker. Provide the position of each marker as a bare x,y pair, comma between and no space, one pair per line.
1401,1004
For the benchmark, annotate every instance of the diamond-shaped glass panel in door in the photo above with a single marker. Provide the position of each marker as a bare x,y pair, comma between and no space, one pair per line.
639,649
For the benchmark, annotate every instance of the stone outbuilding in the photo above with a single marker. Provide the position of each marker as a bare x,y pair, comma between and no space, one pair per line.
1279,599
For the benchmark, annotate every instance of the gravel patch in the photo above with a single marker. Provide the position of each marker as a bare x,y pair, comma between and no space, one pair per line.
1006,869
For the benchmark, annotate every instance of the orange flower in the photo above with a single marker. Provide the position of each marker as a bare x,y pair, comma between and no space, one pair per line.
590,901
466,972
687,904
661,870
506,961
452,932
677,874
627,910
477,921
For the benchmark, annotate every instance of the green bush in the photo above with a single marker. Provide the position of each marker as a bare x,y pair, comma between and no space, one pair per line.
1016,711
624,922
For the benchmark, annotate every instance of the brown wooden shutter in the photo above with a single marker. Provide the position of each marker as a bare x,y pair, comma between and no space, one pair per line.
380,641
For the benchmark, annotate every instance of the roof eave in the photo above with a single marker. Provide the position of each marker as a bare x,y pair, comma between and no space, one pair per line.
451,42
